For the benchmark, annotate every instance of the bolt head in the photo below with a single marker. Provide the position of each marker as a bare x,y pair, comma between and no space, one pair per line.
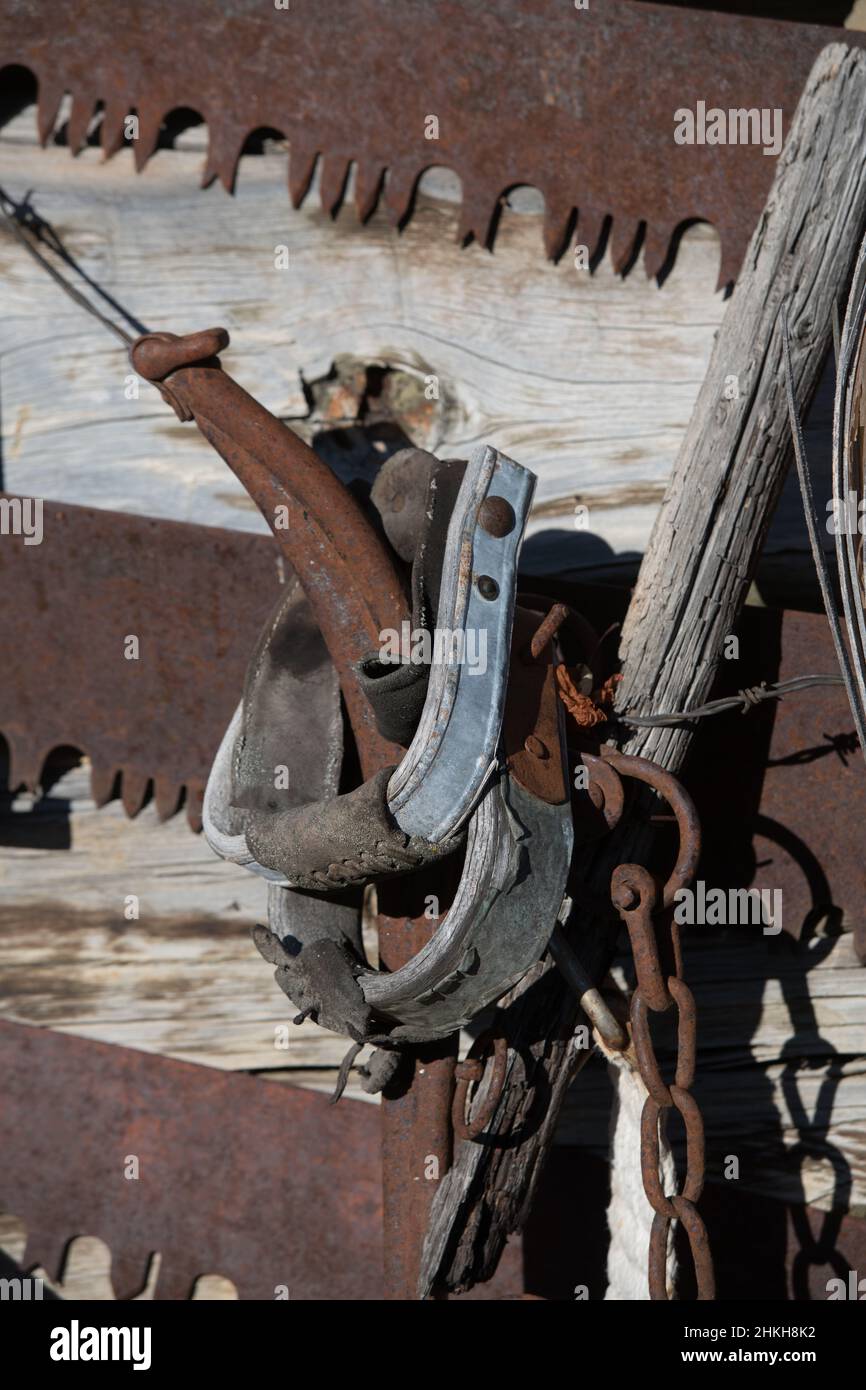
496,516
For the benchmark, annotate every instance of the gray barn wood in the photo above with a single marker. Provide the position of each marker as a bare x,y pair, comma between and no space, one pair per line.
587,379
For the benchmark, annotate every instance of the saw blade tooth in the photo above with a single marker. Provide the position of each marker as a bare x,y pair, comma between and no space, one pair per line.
558,213
26,758
591,228
166,797
133,790
623,239
45,1249
194,803
477,212
335,169
128,1273
150,118
223,154
657,245
47,107
400,183
731,256
302,162
368,183
177,1277
111,133
102,780
79,121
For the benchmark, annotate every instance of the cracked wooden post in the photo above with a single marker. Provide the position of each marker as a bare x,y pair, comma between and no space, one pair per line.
737,448
701,555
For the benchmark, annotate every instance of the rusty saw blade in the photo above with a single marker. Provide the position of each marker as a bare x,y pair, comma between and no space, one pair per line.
262,1183
580,103
195,599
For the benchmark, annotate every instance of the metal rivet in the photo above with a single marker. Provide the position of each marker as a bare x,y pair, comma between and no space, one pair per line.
496,516
535,746
487,586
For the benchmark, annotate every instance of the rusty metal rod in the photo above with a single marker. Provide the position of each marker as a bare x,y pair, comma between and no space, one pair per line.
609,1029
416,1112
344,567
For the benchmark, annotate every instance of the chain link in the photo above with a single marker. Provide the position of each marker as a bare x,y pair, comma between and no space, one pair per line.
657,956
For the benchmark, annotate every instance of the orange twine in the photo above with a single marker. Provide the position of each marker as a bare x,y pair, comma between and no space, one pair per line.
586,710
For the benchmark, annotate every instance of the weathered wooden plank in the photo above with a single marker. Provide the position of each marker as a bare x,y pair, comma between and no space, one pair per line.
184,981
797,1131
106,858
589,379
763,998
182,978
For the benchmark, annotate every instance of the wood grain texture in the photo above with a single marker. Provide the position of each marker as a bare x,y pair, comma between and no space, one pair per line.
182,979
737,449
781,1076
588,379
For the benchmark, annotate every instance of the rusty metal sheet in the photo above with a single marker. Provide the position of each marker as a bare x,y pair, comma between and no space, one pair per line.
195,597
813,803
781,791
260,1182
533,718
578,103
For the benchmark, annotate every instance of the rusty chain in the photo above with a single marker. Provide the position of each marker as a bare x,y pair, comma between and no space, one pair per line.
657,955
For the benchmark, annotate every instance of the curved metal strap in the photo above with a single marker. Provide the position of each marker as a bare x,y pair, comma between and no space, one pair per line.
440,779
518,856
452,754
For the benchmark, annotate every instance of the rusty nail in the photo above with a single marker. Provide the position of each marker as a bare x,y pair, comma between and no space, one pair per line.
543,633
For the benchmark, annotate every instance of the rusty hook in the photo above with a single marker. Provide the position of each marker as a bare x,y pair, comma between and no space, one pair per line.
675,794
471,1072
